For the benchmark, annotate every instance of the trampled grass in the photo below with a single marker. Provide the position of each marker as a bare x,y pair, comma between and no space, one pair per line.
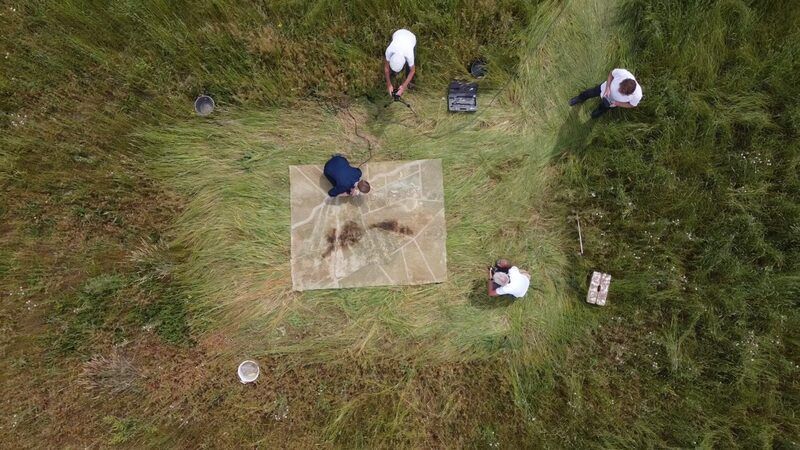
234,168
145,251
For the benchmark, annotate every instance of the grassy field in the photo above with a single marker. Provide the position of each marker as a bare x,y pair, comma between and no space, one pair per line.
144,251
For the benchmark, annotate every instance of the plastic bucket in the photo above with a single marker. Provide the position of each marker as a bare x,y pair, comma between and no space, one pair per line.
478,68
248,371
204,105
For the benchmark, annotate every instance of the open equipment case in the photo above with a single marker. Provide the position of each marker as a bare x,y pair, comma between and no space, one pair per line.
462,97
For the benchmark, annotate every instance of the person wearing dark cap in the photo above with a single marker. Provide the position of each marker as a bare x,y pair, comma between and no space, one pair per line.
620,90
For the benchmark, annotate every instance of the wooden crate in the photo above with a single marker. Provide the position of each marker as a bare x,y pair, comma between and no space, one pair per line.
598,288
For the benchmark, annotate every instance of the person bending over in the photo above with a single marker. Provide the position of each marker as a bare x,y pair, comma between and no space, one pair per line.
619,90
505,279
400,57
346,180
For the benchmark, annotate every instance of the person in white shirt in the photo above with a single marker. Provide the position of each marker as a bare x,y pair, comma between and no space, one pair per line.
506,279
399,57
619,90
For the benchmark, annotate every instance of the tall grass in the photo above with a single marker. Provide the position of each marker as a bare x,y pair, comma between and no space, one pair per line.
235,228
240,53
88,75
690,201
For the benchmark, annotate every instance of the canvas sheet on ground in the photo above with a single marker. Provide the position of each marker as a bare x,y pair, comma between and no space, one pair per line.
395,235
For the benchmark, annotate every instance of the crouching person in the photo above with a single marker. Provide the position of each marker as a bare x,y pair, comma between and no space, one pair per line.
400,58
507,279
346,179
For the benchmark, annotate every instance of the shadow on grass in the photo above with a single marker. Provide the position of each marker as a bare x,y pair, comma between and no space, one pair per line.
479,298
573,133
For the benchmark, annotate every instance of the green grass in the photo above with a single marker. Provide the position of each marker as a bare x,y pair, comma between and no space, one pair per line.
145,251
234,169
692,201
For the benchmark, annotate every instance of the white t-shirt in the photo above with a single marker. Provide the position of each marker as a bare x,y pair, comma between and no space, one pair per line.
403,42
618,76
517,285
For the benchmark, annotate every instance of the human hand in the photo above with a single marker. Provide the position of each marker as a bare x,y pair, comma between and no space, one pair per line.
400,90
390,88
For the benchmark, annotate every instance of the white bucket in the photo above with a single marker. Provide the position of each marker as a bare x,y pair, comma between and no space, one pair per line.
248,371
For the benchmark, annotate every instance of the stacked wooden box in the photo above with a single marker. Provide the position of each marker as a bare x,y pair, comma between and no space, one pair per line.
598,288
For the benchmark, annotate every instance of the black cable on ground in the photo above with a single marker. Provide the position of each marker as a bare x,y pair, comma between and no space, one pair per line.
397,98
355,128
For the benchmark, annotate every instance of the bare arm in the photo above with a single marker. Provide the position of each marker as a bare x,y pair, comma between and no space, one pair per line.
386,74
345,193
408,79
608,85
491,289
623,105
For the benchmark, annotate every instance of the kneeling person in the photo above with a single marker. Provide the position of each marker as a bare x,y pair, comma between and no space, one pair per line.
505,279
346,180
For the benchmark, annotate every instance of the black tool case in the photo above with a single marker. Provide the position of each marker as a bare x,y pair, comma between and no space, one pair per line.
462,97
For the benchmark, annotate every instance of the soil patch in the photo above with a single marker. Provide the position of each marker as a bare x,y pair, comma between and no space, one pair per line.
393,226
350,234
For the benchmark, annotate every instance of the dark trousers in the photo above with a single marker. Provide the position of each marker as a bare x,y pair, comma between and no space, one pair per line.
595,92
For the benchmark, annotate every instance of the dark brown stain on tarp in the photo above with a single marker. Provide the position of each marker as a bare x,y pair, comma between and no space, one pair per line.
393,226
351,233
348,236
